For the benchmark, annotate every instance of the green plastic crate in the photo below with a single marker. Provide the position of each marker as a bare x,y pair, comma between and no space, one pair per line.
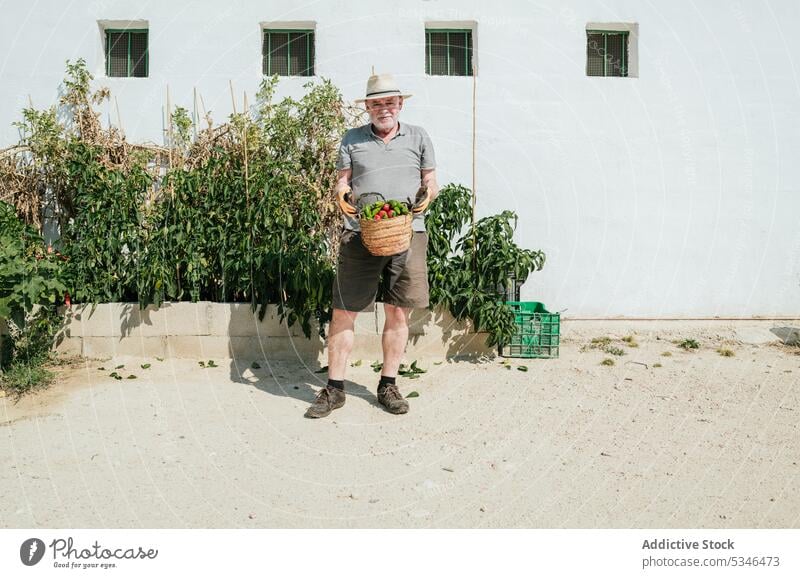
538,331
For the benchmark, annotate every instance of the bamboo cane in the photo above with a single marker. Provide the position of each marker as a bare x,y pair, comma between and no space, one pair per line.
246,188
194,111
171,186
247,198
474,194
203,106
119,117
169,138
30,105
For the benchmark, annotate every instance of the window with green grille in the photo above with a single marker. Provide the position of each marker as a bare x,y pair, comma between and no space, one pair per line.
606,53
126,53
448,52
288,52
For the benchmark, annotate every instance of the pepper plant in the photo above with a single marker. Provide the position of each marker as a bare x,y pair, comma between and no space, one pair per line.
468,270
241,212
30,288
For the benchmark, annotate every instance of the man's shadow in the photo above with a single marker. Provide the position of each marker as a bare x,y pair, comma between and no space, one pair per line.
788,335
279,359
293,379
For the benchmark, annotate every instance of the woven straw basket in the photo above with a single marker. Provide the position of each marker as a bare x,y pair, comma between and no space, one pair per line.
388,236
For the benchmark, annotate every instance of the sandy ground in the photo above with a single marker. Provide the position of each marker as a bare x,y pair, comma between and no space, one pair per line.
703,441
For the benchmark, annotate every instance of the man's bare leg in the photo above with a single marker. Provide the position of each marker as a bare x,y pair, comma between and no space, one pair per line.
395,336
340,342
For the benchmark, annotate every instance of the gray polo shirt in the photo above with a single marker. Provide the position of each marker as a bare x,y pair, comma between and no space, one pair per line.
392,169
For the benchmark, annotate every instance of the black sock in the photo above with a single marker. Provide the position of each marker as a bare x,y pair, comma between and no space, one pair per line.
336,383
385,381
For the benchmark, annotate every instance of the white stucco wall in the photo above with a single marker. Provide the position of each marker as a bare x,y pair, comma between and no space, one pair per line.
676,193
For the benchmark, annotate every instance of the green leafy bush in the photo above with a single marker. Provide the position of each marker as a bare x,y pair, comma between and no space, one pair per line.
243,212
30,289
468,270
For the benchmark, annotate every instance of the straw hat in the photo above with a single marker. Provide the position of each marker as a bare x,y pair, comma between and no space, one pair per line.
382,86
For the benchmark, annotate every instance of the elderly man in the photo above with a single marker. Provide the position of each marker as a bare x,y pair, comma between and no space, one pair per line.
397,160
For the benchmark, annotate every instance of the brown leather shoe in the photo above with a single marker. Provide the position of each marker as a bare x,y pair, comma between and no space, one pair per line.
390,398
328,399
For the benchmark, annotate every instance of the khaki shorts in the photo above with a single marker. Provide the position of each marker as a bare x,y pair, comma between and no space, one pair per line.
400,280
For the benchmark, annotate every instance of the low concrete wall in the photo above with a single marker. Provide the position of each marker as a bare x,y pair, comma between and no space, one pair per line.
228,330
232,330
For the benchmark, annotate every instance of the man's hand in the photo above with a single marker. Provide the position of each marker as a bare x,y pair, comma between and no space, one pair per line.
423,199
344,205
427,190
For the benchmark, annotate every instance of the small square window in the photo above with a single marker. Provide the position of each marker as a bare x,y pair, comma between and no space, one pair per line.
288,52
607,53
448,52
126,53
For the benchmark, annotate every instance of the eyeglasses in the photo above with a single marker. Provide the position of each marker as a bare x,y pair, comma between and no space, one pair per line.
377,106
